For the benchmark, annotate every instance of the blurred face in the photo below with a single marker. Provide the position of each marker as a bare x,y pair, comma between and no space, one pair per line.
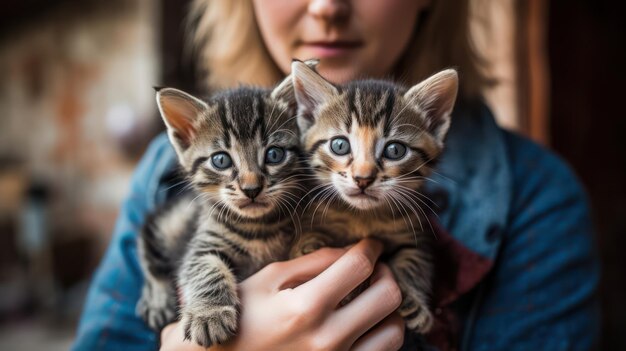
352,38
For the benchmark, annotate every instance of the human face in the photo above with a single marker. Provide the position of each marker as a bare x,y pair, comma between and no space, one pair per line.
352,38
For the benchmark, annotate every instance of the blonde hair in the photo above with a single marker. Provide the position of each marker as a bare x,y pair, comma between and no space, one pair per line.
231,50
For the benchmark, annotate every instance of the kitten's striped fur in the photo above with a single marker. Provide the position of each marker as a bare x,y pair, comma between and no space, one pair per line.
364,193
235,220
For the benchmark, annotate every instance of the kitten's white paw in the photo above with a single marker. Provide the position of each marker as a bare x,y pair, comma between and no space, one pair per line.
420,320
210,325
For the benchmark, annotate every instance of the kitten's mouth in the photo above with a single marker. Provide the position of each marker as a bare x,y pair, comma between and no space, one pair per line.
362,196
250,205
361,199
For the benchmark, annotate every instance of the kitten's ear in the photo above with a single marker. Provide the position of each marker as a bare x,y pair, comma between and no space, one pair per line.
179,111
284,90
311,91
435,97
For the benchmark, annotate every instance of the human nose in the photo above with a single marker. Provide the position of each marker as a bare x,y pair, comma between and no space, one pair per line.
329,10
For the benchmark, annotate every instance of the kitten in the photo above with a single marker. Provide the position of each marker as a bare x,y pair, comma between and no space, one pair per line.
240,153
371,144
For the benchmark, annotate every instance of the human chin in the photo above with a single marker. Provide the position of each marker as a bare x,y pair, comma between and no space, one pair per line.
339,74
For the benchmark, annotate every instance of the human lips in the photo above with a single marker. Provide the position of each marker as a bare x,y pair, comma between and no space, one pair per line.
330,48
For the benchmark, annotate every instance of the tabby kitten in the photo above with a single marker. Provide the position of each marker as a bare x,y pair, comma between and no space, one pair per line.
371,144
240,153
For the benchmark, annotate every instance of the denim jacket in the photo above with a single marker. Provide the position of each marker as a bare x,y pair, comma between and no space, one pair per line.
519,267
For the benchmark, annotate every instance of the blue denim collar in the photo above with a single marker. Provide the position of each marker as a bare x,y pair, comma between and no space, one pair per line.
473,181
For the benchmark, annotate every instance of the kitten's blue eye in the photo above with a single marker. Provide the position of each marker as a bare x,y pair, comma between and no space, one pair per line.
221,160
394,151
274,155
340,146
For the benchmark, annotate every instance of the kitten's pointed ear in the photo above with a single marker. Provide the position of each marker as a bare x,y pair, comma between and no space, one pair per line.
179,111
311,91
435,97
284,90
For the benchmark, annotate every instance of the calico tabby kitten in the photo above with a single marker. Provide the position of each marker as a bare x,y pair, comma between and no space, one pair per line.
371,144
240,153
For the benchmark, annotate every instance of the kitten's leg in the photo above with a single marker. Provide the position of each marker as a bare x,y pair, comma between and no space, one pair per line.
157,305
309,242
210,305
413,270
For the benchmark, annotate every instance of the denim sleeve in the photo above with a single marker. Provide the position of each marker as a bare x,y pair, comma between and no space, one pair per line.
542,294
109,321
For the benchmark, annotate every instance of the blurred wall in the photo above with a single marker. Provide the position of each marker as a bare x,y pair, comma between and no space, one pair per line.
76,85
76,111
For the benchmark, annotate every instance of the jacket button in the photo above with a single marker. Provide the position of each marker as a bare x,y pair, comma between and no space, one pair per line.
494,233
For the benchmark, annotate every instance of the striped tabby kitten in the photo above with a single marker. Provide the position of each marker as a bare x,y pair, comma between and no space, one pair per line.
371,144
240,152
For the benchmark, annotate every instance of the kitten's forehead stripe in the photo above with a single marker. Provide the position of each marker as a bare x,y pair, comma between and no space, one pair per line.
221,111
242,112
371,102
260,121
386,111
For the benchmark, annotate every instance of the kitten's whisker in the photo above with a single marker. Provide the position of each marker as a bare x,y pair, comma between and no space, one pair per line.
402,204
422,212
444,177
329,200
271,127
410,191
273,117
405,218
280,127
393,214
284,206
332,198
327,193
192,201
305,196
188,185
414,178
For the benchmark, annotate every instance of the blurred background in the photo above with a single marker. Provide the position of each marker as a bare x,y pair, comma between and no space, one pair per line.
77,110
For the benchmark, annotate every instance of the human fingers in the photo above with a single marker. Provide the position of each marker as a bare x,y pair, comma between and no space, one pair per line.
386,336
289,274
381,298
345,274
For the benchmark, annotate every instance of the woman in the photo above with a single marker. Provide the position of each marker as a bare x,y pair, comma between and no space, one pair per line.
517,269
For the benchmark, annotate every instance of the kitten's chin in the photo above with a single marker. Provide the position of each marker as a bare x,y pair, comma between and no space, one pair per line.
253,209
361,201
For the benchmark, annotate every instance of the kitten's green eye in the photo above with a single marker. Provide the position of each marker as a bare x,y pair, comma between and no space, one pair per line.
274,155
340,146
394,151
221,160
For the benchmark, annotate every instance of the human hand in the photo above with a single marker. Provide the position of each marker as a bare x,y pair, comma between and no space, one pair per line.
293,305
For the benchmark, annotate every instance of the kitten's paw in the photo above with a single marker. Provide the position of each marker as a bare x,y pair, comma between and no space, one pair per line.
210,325
306,247
419,320
157,311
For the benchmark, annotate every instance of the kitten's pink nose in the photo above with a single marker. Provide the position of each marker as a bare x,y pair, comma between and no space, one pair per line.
362,182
